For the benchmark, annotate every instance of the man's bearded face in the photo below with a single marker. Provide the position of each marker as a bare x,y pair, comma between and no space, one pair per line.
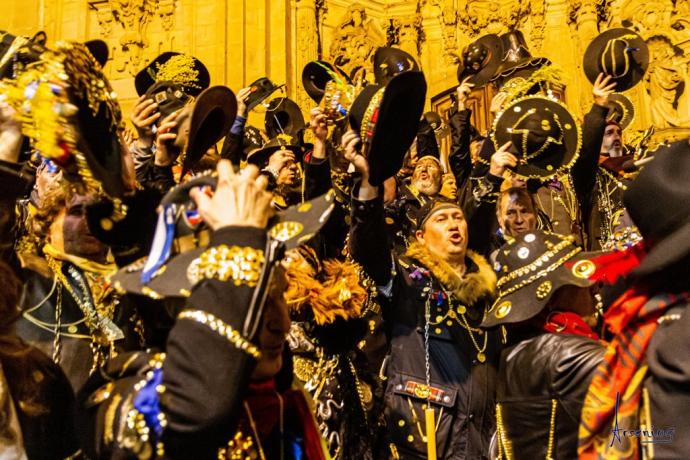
427,177
612,144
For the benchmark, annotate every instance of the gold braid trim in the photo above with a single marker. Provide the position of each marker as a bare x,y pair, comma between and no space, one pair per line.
538,275
242,265
534,266
222,328
505,447
552,430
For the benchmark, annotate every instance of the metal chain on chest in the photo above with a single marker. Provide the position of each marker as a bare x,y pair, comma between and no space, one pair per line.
57,343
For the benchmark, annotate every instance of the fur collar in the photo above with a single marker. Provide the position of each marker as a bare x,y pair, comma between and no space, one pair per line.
468,289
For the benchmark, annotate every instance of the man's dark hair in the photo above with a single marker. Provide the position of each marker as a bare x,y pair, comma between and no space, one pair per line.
521,193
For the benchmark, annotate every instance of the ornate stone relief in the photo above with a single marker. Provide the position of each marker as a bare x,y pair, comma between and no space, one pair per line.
133,17
307,48
665,25
355,40
478,17
407,34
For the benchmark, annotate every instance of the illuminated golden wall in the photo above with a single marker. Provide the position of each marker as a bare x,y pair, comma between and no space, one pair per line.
241,40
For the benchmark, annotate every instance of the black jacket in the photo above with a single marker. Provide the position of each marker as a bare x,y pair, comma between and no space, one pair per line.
464,386
532,375
204,376
667,383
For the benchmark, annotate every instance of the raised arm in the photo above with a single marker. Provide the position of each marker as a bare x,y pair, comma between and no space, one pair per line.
460,130
233,144
317,170
369,243
584,170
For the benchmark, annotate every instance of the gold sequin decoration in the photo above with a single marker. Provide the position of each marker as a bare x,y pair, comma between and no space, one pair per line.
241,265
543,290
284,231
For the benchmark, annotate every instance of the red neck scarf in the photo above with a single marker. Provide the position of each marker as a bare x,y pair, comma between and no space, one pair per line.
262,399
568,323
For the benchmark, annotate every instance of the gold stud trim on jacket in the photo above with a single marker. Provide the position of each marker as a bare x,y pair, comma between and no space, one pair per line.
222,328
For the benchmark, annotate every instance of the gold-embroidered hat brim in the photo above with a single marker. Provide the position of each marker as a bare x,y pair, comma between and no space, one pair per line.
558,159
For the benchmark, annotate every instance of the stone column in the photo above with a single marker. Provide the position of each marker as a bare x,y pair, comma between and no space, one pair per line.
306,48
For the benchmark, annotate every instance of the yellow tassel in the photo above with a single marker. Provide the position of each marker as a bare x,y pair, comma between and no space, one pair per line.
430,433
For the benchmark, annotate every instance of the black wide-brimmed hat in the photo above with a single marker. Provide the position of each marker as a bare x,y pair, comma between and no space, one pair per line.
517,61
283,116
387,118
260,90
658,202
175,276
434,120
187,71
619,53
99,50
315,76
213,114
621,110
65,87
389,62
546,139
259,156
530,269
480,60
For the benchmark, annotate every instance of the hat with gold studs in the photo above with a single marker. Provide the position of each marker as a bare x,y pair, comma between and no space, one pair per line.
480,60
546,139
530,269
182,238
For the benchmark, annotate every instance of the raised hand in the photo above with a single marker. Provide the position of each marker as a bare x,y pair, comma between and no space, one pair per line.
603,89
502,160
165,136
497,102
241,104
279,160
464,91
319,126
239,199
351,152
143,117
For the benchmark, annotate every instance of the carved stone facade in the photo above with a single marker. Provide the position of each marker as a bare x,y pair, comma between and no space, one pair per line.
240,41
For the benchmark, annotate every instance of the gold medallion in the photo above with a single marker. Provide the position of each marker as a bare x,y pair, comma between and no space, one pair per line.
584,269
481,357
503,309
